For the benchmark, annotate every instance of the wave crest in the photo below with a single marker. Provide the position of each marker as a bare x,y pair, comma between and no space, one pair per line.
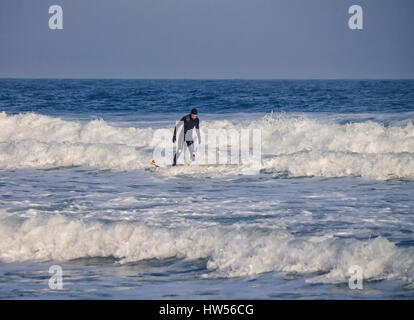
229,251
293,145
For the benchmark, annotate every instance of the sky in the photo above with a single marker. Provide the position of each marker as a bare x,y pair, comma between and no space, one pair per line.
207,39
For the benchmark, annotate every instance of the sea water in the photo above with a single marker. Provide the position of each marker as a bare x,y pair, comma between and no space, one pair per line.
335,189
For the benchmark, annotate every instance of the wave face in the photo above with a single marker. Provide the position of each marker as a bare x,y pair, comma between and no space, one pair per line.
229,251
292,145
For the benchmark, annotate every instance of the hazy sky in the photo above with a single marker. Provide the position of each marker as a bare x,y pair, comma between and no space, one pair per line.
207,39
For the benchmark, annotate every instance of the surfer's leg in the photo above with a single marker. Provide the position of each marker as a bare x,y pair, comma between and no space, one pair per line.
190,145
177,151
175,159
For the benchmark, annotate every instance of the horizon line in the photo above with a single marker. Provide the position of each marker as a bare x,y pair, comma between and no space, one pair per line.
195,79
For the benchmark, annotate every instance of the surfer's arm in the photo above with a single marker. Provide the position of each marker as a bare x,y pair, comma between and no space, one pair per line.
178,125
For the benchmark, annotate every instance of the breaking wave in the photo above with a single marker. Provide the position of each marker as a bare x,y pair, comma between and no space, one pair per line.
291,145
229,251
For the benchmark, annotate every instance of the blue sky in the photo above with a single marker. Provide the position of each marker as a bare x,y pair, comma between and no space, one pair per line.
253,39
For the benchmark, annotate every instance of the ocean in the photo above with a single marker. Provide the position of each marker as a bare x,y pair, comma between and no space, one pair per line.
334,191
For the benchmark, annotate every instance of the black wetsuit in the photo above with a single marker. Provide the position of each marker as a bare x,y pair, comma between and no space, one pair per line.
189,124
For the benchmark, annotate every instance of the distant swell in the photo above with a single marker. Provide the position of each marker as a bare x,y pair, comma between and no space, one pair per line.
292,146
229,251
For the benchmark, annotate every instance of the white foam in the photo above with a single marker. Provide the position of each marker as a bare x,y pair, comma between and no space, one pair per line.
292,145
229,251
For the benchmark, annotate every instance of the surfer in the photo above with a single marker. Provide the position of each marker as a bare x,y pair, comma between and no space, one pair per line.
189,122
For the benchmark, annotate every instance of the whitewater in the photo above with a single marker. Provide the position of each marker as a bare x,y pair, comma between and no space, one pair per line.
334,190
297,146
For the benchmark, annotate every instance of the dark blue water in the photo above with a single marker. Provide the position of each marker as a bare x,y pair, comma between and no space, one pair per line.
120,97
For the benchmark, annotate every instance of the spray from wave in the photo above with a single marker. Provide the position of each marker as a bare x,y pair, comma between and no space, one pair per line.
229,251
294,146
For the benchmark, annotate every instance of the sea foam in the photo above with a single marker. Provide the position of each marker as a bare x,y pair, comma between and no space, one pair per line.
292,145
229,251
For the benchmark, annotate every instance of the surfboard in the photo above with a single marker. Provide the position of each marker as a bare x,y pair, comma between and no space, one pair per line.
154,164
